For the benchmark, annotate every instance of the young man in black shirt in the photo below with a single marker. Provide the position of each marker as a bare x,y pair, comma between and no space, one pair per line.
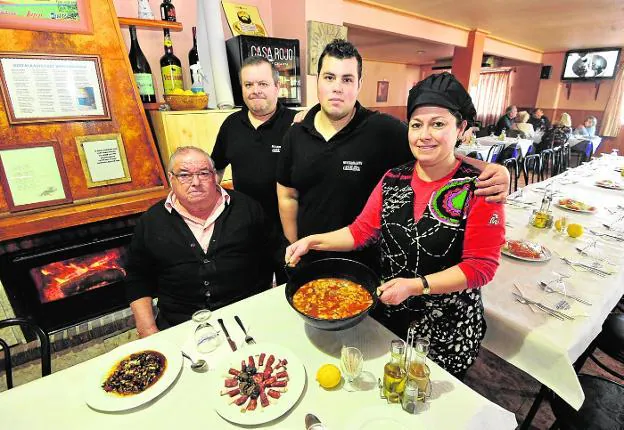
202,247
332,160
251,139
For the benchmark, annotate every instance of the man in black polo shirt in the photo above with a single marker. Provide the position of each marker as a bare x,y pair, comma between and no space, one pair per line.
202,247
251,139
506,121
332,160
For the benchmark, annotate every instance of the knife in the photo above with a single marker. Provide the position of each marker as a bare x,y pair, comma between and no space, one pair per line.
227,335
543,306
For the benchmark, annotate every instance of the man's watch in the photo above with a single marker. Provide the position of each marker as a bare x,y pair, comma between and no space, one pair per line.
426,288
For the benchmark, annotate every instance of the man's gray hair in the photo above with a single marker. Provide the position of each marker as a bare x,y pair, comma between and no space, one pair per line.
256,60
185,150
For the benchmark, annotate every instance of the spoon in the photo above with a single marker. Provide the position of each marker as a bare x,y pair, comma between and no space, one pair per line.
195,365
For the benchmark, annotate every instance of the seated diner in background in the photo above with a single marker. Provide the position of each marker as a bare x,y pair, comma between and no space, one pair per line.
506,121
538,120
201,248
439,241
556,135
588,128
522,125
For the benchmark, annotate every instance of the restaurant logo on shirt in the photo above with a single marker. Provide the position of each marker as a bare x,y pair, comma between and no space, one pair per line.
354,166
276,148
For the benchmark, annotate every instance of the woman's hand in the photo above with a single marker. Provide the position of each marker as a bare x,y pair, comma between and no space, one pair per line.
298,249
397,290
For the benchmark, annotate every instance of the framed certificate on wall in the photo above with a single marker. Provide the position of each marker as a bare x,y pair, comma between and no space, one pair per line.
103,159
46,88
33,175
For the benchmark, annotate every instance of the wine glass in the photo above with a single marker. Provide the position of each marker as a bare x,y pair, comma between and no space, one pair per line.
206,337
351,363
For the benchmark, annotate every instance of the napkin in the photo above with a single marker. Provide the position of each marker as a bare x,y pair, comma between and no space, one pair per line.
222,350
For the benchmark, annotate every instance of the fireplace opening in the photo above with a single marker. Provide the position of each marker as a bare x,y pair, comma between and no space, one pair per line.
65,279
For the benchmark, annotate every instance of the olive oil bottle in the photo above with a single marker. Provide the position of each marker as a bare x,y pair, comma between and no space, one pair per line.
394,374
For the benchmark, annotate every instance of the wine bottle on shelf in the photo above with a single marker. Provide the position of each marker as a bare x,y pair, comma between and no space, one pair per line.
167,11
170,67
193,56
141,69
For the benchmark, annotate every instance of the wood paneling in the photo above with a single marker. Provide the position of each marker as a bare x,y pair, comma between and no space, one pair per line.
128,118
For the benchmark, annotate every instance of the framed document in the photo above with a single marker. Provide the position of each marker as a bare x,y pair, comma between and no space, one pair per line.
382,91
103,159
33,175
45,88
67,16
319,35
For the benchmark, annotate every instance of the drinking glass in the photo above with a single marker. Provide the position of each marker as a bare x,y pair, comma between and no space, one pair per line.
206,337
562,223
351,363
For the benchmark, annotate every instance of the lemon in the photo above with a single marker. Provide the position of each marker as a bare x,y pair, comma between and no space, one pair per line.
328,376
177,91
188,93
200,93
558,225
575,230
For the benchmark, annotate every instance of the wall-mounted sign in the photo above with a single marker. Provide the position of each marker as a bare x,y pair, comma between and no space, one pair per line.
103,159
67,16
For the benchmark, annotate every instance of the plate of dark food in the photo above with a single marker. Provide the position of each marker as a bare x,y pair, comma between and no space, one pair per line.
258,384
132,375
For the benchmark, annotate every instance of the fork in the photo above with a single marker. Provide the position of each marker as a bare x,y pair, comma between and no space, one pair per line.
527,302
547,288
248,339
587,267
599,233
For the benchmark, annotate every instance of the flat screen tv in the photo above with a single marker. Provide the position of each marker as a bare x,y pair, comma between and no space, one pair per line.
590,64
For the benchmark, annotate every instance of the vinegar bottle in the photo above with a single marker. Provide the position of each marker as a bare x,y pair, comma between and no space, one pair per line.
193,56
394,375
141,69
170,67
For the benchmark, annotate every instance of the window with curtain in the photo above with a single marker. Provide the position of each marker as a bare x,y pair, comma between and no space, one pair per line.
614,113
492,95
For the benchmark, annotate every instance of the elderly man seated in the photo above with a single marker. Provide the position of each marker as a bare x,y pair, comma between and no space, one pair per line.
202,247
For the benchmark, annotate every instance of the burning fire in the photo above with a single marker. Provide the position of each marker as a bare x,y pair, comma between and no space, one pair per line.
65,278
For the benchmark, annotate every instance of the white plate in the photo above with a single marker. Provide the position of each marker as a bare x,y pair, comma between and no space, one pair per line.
296,384
546,254
98,399
575,210
608,185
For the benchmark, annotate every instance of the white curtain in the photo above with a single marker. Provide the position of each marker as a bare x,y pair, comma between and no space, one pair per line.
491,96
613,119
212,54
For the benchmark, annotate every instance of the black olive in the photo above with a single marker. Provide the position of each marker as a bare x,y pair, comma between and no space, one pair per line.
252,370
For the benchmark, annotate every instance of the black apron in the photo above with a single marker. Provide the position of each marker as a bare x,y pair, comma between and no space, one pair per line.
453,322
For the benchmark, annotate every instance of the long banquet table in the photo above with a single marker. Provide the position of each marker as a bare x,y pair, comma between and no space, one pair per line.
542,346
485,143
57,400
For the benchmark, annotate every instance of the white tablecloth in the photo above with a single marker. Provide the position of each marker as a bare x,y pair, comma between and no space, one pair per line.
56,401
573,140
485,143
543,346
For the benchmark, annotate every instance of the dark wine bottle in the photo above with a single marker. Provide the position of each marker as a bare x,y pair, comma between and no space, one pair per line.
193,56
141,69
170,67
167,11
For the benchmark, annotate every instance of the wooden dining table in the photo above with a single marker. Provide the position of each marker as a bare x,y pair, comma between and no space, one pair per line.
543,346
58,400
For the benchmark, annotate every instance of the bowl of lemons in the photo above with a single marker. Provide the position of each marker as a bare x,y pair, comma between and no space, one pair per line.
186,100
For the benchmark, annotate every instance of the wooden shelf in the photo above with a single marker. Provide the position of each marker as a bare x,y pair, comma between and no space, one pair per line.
150,23
151,106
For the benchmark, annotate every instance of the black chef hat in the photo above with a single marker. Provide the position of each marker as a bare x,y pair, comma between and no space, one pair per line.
443,90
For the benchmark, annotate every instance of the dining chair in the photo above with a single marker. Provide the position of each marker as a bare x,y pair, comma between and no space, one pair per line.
557,163
44,347
546,163
582,151
611,342
512,166
494,152
475,154
602,408
531,163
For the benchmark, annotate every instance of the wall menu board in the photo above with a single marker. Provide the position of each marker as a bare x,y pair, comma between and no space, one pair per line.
44,88
62,16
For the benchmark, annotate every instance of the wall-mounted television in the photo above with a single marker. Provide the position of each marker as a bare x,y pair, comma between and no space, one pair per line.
590,64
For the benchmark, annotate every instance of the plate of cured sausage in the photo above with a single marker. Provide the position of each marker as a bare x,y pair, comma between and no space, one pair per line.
258,384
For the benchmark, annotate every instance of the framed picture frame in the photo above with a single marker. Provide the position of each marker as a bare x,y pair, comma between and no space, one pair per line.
49,88
68,16
103,159
33,175
382,91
